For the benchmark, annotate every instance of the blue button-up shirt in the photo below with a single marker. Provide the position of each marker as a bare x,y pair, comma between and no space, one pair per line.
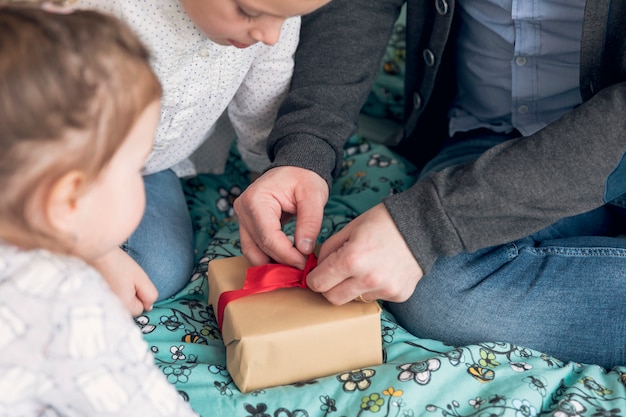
518,63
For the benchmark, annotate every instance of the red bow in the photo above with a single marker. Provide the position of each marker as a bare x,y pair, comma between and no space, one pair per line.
266,278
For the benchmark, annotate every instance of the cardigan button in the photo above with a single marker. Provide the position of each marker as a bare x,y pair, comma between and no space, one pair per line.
442,7
429,57
417,101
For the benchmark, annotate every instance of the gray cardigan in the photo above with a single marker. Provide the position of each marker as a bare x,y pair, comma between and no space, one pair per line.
572,166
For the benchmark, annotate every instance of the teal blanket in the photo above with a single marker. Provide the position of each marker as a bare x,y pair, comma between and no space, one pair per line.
418,377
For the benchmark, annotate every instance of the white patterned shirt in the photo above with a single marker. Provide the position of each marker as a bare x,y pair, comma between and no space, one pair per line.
69,348
201,81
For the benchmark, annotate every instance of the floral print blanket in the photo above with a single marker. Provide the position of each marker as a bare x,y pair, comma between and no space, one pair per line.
418,377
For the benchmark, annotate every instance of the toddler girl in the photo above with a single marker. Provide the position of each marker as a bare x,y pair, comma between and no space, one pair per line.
79,105
223,64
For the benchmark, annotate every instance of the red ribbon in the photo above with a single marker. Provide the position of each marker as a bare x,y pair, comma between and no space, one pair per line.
266,278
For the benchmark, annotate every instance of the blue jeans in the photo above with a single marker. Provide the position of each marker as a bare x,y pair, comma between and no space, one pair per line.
561,291
163,241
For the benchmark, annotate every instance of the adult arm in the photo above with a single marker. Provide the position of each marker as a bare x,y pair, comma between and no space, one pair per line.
337,60
572,166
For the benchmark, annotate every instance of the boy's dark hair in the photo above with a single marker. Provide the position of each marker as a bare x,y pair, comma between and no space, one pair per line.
71,87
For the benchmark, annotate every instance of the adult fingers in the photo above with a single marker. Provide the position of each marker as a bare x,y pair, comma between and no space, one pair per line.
310,212
368,256
277,247
261,235
333,275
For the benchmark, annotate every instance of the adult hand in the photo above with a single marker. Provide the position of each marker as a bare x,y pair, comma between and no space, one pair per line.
367,258
127,280
273,199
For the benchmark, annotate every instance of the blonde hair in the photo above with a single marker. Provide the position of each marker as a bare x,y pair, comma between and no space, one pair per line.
71,88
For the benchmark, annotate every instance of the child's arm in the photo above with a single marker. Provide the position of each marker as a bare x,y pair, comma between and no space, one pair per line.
127,280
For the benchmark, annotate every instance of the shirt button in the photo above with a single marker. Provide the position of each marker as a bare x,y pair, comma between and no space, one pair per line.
520,60
203,52
523,109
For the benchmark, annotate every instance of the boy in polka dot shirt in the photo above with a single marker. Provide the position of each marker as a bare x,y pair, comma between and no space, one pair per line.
225,66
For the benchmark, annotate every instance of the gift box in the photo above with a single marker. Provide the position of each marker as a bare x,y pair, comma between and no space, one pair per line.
287,335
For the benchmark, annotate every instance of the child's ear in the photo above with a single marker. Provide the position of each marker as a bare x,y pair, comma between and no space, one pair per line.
62,202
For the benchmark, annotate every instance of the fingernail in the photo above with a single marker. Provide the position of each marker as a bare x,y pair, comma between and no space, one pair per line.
305,246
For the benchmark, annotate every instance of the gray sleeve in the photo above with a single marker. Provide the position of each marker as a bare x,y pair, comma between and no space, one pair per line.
520,186
338,58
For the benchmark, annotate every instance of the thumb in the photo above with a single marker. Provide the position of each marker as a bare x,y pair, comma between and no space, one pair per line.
308,225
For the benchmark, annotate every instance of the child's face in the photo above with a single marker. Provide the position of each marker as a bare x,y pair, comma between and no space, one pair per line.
242,23
113,206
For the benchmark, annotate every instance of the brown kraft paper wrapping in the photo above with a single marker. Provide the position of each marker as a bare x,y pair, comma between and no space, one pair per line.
291,334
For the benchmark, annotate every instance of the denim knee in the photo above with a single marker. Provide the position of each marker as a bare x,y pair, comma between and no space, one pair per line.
163,242
564,300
